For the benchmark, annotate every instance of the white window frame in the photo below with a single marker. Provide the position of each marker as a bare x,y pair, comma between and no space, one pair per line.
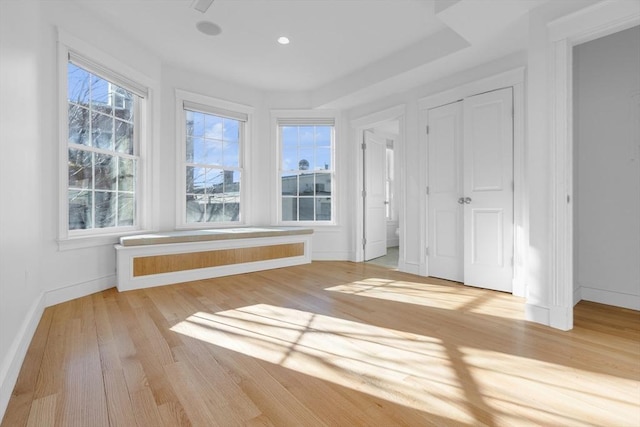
104,65
304,118
218,107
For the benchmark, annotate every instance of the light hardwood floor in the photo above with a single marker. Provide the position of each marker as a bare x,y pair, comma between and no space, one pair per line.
330,343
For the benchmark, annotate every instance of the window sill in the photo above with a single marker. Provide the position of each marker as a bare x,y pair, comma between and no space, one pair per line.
81,242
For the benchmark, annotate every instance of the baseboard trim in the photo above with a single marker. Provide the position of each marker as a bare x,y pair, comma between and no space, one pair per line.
17,351
78,290
408,267
535,313
577,295
617,299
331,256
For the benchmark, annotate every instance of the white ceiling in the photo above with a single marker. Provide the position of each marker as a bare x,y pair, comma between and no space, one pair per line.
334,43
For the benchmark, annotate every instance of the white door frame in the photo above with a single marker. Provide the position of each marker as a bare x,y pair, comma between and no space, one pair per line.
587,24
360,125
514,78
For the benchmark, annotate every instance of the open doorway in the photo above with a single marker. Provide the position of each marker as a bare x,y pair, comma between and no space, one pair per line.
380,194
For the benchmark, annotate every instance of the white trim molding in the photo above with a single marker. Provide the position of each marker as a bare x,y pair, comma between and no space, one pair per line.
593,22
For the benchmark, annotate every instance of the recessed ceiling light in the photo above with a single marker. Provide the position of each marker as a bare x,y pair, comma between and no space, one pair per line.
283,40
208,28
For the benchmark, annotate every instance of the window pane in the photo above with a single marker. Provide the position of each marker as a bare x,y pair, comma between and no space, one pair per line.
323,184
231,154
306,135
102,131
124,137
323,136
126,174
78,81
323,158
290,158
231,130
213,142
215,181
105,172
100,94
196,152
105,209
232,208
306,152
79,125
195,180
212,127
306,185
80,169
195,123
289,184
80,210
212,152
232,182
195,208
306,159
101,185
126,209
215,210
123,105
323,209
289,208
289,135
306,209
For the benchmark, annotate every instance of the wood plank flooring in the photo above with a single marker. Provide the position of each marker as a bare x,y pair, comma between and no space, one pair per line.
325,344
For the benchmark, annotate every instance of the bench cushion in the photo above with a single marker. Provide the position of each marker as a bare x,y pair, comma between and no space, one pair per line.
184,236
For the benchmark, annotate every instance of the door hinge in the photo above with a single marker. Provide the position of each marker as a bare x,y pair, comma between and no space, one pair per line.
364,242
364,145
364,193
568,198
427,190
427,129
427,250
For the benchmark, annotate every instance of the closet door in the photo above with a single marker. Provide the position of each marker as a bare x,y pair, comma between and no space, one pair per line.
445,189
488,190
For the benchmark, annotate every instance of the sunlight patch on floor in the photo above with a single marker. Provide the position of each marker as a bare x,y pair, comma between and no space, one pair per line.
480,301
373,360
460,383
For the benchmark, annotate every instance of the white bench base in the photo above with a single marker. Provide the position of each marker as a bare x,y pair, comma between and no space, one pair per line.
143,265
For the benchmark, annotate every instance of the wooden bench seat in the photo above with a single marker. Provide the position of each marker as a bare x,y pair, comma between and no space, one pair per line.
181,256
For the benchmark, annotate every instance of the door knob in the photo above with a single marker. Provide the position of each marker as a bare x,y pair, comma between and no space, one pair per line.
467,200
461,200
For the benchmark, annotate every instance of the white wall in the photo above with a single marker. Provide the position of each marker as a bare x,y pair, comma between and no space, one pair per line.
21,192
607,169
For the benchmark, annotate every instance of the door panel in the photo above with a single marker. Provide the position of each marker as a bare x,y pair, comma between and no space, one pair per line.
375,221
445,188
488,177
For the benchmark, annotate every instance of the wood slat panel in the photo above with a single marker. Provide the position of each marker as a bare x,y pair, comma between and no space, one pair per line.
144,266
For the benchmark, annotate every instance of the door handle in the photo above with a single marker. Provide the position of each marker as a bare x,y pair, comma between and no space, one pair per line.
461,200
467,200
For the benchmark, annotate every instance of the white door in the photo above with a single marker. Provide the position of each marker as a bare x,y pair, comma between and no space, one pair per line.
375,216
445,189
488,190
